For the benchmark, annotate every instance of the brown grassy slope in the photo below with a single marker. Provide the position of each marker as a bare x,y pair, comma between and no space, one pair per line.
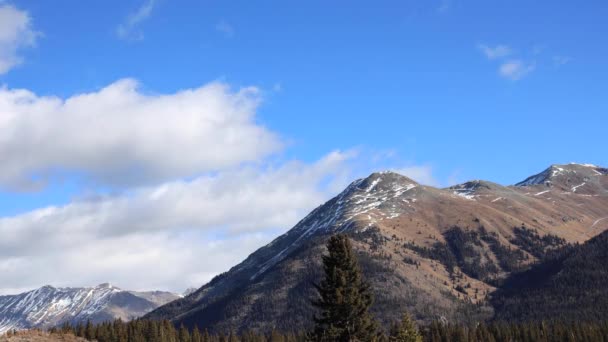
39,336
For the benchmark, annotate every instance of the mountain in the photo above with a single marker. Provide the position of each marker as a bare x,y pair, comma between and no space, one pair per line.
570,286
49,306
438,253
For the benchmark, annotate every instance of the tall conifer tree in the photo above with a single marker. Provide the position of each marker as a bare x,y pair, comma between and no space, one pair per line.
405,331
345,297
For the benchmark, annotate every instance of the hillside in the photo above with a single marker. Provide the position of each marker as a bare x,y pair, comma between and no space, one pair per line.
437,253
40,336
49,306
570,286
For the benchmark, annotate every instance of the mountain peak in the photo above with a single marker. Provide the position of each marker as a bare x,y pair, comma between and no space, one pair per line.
106,286
470,189
391,175
384,180
568,177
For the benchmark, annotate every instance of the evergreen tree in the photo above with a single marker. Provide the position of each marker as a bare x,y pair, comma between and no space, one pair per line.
275,336
345,297
196,335
405,331
89,332
184,334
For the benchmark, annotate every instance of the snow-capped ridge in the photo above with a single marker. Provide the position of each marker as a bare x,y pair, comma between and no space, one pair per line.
585,165
543,177
567,172
50,306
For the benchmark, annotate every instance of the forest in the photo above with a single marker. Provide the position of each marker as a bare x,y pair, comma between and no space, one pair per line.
164,331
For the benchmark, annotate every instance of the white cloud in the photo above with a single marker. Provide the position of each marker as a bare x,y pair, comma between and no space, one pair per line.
16,32
495,52
120,136
225,28
422,174
171,236
129,30
515,69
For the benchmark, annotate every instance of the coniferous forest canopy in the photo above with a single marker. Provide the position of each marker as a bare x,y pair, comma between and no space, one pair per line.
164,331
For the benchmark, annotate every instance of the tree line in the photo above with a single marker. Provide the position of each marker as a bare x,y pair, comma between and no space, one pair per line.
165,331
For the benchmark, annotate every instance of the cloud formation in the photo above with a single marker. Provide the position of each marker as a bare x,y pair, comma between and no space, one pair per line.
510,68
120,136
515,69
16,33
129,30
170,236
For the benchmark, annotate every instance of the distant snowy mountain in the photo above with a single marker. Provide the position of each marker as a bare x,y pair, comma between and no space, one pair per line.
49,306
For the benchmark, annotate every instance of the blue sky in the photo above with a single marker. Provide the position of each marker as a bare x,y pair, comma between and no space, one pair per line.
445,90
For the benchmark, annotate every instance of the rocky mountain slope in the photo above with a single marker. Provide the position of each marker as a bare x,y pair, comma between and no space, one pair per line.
434,252
49,306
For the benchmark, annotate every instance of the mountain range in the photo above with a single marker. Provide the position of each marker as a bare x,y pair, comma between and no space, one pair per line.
469,252
446,253
49,306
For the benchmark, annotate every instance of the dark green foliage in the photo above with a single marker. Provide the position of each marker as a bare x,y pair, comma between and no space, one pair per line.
571,285
509,260
463,249
345,297
439,251
466,249
405,331
523,332
164,331
530,241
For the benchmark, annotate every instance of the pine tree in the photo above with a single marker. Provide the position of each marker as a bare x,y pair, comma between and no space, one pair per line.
275,336
196,335
184,334
405,331
345,297
89,332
